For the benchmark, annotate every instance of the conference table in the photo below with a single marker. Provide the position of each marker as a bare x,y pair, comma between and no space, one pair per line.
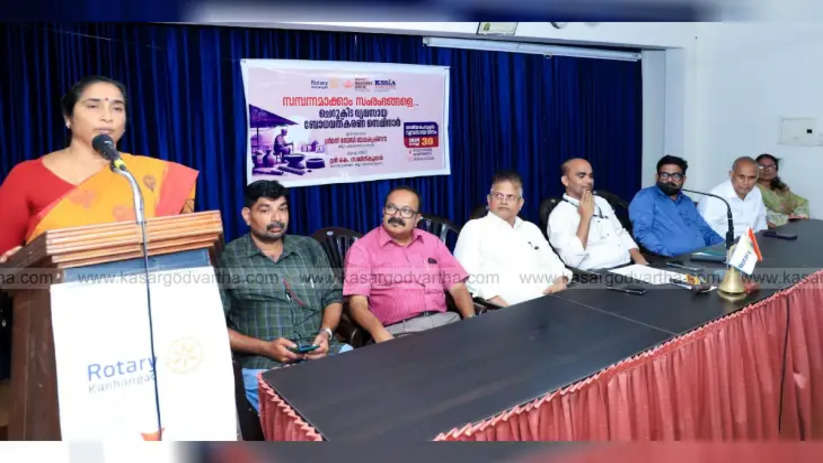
586,363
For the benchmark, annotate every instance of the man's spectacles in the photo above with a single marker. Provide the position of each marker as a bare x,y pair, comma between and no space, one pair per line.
767,166
500,196
406,212
677,176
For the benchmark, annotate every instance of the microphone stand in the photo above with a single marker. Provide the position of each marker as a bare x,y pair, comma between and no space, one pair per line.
731,287
730,228
139,214
139,210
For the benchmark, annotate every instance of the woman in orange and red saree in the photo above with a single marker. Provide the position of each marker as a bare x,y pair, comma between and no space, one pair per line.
74,186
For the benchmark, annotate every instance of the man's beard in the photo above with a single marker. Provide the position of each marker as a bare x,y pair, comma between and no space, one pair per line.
668,188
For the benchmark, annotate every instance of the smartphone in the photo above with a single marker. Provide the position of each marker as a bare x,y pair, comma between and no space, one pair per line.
304,348
636,290
707,256
780,235
680,265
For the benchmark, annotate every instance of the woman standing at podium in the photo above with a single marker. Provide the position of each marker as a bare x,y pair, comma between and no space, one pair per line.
74,186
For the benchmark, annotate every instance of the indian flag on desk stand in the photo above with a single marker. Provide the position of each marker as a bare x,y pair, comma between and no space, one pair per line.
746,253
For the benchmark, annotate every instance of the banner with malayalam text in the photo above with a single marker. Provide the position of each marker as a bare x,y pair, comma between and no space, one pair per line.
320,122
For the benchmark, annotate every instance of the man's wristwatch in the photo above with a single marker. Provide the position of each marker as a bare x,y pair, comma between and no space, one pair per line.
328,332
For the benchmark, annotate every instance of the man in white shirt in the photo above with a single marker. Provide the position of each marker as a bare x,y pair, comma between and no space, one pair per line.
584,229
508,259
745,200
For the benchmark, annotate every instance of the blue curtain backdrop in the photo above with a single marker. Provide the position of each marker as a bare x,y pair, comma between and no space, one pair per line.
186,104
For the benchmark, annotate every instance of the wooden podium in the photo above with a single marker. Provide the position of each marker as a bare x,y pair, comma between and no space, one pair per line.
64,255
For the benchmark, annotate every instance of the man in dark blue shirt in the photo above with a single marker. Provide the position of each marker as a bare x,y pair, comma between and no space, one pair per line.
665,220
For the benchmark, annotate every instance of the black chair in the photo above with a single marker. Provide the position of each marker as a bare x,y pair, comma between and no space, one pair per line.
441,227
620,206
479,211
336,241
546,208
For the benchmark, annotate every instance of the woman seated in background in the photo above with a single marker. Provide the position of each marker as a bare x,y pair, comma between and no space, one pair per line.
74,186
781,204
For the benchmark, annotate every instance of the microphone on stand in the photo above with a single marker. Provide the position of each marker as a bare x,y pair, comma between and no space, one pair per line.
730,229
104,145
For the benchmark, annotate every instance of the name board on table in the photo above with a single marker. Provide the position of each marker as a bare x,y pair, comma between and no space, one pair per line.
746,253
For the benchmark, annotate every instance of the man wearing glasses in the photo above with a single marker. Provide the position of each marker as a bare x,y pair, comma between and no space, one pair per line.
508,258
397,274
745,200
584,229
665,220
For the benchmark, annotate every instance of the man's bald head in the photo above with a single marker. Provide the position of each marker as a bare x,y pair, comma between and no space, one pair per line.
743,161
578,176
744,175
573,162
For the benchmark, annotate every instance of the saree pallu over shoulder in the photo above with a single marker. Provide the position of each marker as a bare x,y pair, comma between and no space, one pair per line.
106,196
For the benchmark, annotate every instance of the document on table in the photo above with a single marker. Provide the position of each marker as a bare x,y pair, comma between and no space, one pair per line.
650,275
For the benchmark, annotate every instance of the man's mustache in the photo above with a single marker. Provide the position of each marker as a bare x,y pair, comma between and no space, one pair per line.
398,221
274,225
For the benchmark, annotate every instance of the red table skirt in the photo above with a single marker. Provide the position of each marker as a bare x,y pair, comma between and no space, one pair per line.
279,421
722,381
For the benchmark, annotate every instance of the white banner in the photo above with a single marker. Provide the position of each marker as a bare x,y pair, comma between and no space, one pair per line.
105,369
319,122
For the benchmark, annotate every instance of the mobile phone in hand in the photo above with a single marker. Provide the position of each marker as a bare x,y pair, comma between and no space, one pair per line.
303,348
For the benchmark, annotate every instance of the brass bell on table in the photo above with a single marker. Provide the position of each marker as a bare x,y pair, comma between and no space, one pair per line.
731,287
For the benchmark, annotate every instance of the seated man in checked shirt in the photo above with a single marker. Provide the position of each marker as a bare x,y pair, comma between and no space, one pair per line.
278,290
397,274
584,229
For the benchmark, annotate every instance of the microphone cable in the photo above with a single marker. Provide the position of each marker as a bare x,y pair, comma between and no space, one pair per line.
783,371
145,250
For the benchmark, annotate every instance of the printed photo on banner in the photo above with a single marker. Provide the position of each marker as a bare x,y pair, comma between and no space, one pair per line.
320,122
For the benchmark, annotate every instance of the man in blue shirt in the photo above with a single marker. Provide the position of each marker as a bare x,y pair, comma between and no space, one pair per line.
665,220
